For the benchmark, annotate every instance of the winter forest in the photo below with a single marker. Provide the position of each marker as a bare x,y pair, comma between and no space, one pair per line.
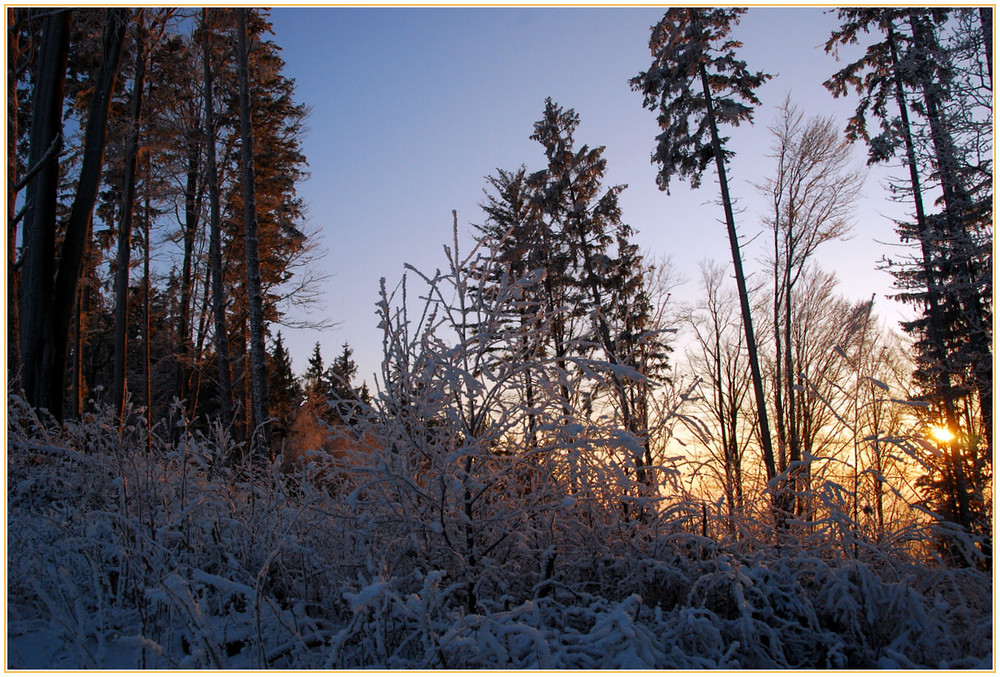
558,465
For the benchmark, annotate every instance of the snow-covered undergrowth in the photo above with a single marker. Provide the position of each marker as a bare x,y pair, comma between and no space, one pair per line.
119,558
492,508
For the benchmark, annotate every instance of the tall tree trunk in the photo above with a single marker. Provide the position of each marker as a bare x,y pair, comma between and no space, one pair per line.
78,228
798,473
118,386
13,52
222,358
957,209
936,328
986,19
82,307
146,343
741,285
779,401
258,356
39,228
189,232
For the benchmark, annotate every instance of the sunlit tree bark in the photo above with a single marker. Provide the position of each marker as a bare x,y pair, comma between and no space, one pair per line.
222,358
119,380
39,225
78,229
258,355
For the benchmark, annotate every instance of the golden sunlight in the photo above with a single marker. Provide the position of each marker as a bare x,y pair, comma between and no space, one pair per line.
942,434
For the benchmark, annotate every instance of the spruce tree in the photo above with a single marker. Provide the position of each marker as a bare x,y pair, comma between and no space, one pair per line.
559,233
338,379
314,377
695,84
286,393
907,72
39,222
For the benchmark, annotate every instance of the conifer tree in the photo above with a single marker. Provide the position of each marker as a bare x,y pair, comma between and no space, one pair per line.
258,364
909,72
339,378
315,373
512,231
561,220
695,84
39,223
286,393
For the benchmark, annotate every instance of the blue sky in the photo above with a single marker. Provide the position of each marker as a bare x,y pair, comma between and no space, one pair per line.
411,108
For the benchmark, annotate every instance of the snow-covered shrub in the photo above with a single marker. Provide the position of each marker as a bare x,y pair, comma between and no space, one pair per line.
469,474
461,524
120,558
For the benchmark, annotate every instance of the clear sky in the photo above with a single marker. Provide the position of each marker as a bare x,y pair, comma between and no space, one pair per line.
411,108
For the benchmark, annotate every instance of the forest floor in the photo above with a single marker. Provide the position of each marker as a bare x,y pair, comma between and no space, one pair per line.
117,559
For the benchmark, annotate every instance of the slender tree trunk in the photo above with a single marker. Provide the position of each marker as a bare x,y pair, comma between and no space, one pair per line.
986,19
13,52
741,285
222,358
797,471
937,323
779,400
146,343
527,355
39,228
258,355
189,231
78,350
78,229
119,384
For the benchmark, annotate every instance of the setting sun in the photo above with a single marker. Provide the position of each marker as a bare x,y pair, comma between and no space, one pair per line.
942,434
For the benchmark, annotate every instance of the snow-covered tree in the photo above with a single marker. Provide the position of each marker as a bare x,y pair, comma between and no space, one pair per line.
695,84
811,195
950,280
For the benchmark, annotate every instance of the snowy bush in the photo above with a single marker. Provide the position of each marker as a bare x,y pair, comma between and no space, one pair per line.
455,528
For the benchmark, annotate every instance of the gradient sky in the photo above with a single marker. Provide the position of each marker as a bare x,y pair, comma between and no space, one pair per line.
411,108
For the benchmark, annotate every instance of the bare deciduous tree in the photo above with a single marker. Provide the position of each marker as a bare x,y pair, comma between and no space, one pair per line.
812,195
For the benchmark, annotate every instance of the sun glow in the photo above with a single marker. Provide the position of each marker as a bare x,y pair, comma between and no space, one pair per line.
942,434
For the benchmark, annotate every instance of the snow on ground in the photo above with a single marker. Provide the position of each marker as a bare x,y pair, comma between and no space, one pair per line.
119,560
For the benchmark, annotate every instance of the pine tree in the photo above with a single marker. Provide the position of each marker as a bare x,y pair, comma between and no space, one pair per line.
696,80
39,223
258,364
338,379
949,279
286,393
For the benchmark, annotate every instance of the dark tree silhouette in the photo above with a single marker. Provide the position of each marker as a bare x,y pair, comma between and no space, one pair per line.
696,81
